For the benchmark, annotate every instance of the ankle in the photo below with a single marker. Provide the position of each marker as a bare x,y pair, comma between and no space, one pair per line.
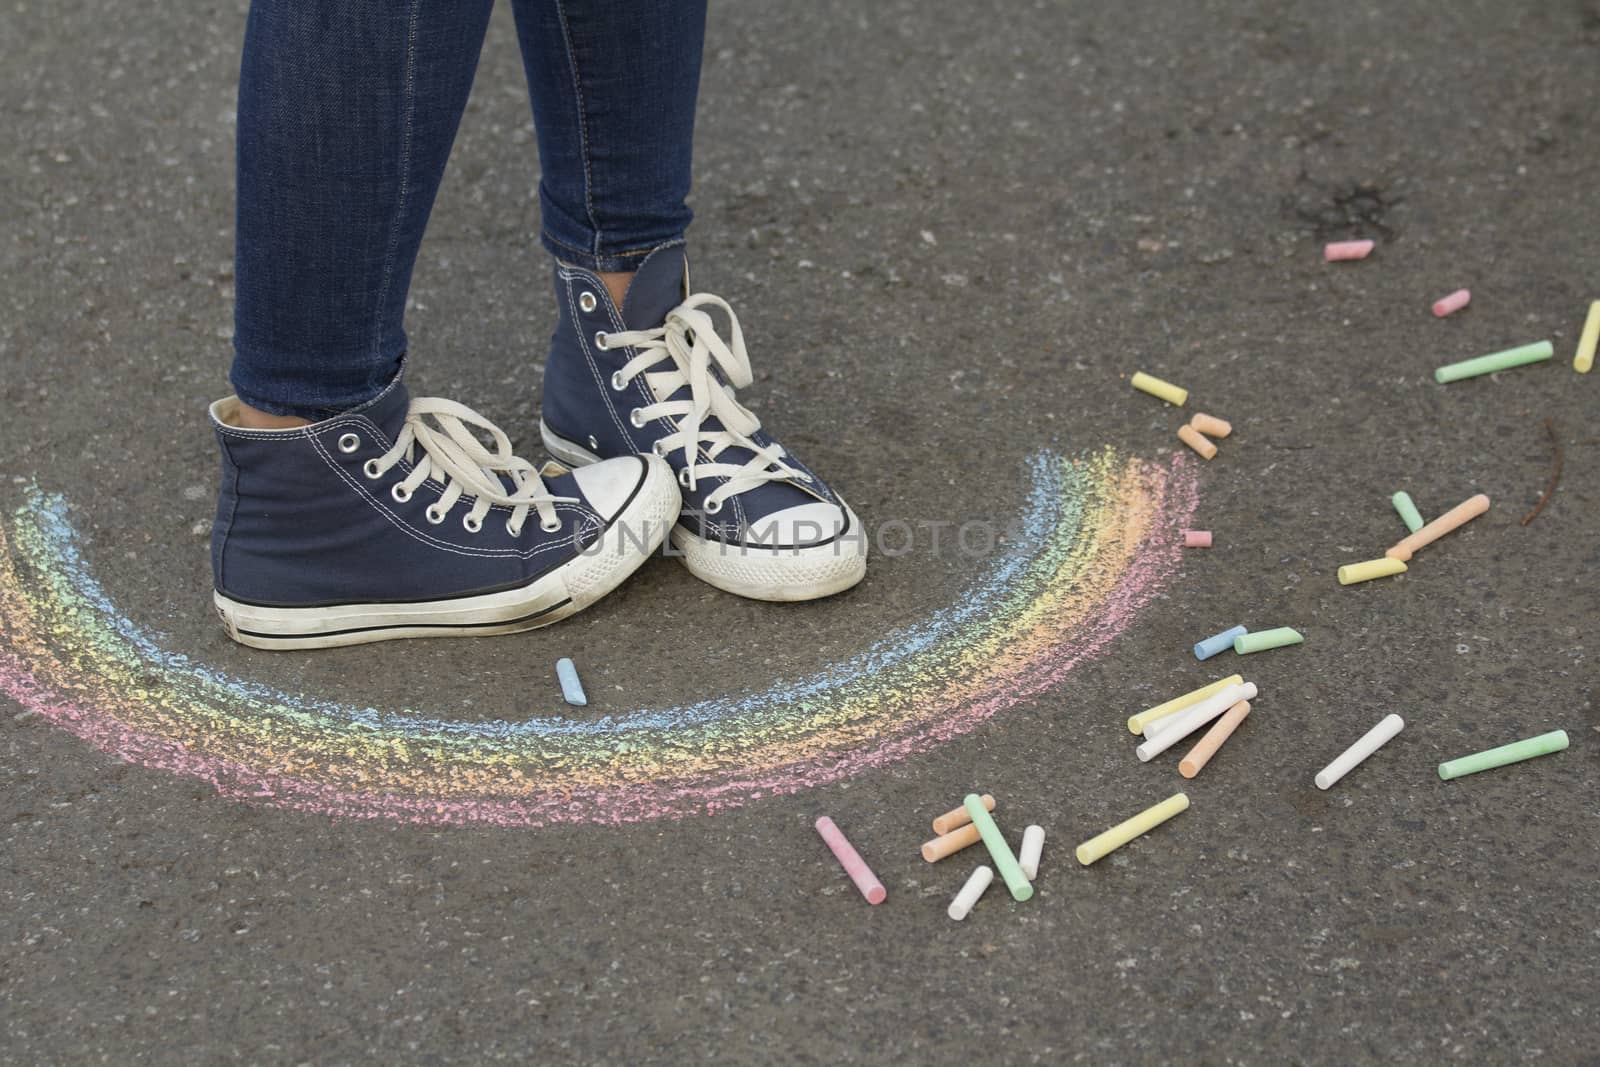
249,418
617,284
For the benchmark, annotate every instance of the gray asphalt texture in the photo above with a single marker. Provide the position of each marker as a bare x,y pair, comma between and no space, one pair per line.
951,230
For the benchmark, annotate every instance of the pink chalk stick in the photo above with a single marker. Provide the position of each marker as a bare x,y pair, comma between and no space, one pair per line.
851,861
1338,250
1454,302
1197,539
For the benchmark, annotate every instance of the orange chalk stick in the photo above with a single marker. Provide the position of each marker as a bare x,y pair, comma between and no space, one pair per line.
1459,515
1197,441
951,843
958,816
1223,729
1211,426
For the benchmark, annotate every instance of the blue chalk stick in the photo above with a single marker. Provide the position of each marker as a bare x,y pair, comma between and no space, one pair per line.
1218,643
571,688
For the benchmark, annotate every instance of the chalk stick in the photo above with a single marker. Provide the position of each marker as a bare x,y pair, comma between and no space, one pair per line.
1136,723
1210,425
1516,752
976,883
958,816
1032,847
1197,539
1197,441
1447,305
1191,719
1369,743
1097,847
571,688
1495,361
851,861
1207,746
1218,642
1172,394
1261,640
1457,516
1583,362
1335,251
1408,511
1005,862
1351,573
951,843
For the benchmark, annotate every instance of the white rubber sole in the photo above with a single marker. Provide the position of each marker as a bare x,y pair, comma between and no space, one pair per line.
777,574
630,539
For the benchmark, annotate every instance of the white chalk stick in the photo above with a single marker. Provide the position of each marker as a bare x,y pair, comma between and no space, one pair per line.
1370,742
1032,846
976,884
1189,720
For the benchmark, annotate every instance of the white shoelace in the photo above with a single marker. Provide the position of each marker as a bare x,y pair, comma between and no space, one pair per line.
453,455
689,340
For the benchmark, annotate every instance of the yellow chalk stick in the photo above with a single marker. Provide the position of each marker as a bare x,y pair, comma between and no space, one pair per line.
1123,832
1172,394
1584,360
1137,723
1351,573
1197,441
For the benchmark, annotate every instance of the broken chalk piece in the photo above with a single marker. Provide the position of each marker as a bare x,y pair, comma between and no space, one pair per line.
1370,742
1218,642
1262,640
1207,746
958,816
1351,573
1335,251
1408,511
1516,752
1028,855
1495,361
976,883
1197,441
951,843
1446,305
1137,723
999,851
571,688
1459,515
1211,426
1583,362
1197,539
851,861
1123,832
1172,394
1186,723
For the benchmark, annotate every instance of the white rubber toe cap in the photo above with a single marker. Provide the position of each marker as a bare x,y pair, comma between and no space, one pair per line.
798,527
608,485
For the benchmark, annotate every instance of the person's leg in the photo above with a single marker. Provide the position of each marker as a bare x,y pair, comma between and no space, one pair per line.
613,85
347,110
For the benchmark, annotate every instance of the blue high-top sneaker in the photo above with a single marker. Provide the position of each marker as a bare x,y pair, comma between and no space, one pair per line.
396,520
656,377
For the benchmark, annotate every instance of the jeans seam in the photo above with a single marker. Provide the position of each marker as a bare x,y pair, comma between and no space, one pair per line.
405,178
583,125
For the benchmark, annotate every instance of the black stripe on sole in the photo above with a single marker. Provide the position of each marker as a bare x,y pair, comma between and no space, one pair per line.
409,626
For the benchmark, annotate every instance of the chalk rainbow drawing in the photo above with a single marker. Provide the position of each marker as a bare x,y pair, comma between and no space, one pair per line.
1099,536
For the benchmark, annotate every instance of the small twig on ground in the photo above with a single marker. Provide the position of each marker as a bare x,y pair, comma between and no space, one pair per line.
1555,474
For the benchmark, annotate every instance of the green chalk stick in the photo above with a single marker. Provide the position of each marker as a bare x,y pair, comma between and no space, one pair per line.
1516,752
1265,639
1511,357
1408,511
999,851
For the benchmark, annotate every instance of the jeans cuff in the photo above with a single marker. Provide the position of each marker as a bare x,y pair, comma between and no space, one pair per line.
612,259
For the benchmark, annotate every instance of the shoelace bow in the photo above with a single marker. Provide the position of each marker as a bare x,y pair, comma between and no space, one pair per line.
689,339
453,455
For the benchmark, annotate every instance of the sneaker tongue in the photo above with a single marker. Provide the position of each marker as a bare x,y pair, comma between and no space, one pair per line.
657,287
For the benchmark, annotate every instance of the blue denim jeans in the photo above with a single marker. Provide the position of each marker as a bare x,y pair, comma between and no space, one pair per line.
347,110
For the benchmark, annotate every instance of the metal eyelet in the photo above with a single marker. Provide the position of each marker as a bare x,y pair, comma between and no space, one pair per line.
514,533
683,477
434,515
617,383
659,449
600,340
400,493
370,469
594,445
636,418
587,301
713,506
550,527
349,443
473,525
